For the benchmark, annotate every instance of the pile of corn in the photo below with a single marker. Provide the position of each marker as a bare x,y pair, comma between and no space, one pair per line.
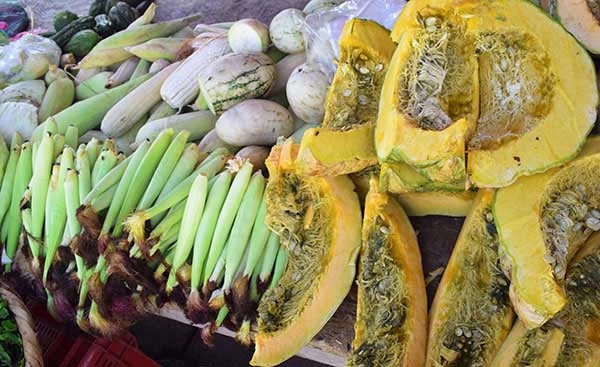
111,237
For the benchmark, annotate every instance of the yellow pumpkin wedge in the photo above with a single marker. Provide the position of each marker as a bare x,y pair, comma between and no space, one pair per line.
464,76
391,321
319,221
542,221
573,338
345,142
471,314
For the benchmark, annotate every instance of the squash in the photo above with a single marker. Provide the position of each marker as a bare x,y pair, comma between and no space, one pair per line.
461,79
574,339
471,314
450,204
391,320
318,220
420,204
82,42
558,209
121,15
580,17
345,142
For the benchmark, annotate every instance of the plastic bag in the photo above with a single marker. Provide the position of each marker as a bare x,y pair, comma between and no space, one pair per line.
322,30
27,58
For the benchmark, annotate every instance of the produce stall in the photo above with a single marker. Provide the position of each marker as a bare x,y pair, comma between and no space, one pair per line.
297,176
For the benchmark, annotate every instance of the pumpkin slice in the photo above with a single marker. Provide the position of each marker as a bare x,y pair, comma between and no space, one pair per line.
573,340
318,220
558,209
429,98
580,17
471,313
391,319
463,77
419,204
345,142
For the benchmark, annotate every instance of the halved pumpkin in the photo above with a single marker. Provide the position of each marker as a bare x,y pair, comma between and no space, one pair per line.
391,320
580,17
318,220
471,314
573,339
542,221
464,76
345,142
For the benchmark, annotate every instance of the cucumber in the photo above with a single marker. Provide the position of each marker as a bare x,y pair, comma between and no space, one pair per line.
63,36
63,18
82,42
234,78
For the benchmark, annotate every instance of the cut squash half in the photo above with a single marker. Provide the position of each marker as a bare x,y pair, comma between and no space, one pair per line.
542,221
391,321
580,17
318,220
345,142
573,339
471,314
498,80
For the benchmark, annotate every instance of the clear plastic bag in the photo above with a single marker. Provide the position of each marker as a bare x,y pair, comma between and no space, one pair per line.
322,30
27,58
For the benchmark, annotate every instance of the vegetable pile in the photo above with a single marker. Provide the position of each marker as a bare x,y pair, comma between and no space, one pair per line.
219,169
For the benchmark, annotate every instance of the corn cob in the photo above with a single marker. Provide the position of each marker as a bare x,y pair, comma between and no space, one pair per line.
158,48
126,141
92,86
142,68
123,73
23,173
9,176
85,74
109,180
88,114
158,65
191,219
131,108
84,178
93,148
60,95
4,154
181,88
71,136
197,123
56,211
111,50
161,110
163,170
242,227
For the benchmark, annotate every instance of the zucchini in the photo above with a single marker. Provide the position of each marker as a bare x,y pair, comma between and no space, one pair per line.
97,8
63,36
82,42
121,15
63,18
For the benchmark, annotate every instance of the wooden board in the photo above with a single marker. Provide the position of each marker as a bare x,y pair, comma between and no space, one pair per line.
437,235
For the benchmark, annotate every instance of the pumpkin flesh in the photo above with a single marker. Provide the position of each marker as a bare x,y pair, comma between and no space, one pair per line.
318,220
471,314
391,324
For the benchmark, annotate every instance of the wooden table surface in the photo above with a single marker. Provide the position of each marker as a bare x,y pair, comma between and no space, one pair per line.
437,235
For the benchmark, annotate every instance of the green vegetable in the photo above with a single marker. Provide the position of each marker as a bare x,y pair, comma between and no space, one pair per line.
103,25
63,18
121,15
82,42
108,4
97,7
63,36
